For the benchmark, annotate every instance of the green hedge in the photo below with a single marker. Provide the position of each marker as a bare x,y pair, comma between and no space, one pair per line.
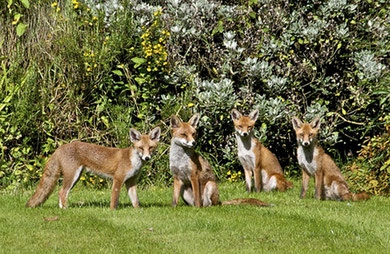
91,69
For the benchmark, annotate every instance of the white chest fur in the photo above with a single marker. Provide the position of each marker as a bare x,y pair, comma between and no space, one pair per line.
179,162
307,159
245,151
136,164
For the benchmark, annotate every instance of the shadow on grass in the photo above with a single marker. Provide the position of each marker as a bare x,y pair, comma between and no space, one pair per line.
106,204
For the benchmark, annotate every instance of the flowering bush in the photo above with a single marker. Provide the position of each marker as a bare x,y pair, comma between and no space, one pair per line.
91,69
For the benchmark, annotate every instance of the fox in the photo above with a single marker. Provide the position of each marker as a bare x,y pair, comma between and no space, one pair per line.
329,182
122,165
255,158
193,177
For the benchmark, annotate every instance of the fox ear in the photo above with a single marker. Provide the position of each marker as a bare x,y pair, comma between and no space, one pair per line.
175,121
155,134
135,135
254,114
194,120
235,114
297,123
315,124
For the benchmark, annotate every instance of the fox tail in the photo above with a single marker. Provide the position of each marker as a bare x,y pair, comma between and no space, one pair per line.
47,184
248,201
360,196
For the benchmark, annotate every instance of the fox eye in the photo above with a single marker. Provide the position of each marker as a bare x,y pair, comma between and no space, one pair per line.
184,135
311,135
240,126
301,134
141,148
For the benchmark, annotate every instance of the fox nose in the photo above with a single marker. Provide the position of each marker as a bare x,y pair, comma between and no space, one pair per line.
192,143
245,134
146,158
305,143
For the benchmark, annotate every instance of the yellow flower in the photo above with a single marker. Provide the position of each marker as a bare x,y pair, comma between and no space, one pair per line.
107,38
148,69
229,172
165,63
58,9
54,4
95,18
190,105
89,69
95,65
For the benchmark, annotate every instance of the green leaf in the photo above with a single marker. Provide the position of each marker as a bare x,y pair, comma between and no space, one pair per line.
26,3
138,60
105,121
20,29
339,45
140,80
300,41
117,72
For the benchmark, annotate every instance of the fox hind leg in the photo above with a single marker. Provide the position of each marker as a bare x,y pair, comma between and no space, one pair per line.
70,179
209,194
188,196
131,186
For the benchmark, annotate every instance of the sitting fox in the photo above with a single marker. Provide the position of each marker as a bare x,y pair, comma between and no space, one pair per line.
123,165
256,158
329,182
193,177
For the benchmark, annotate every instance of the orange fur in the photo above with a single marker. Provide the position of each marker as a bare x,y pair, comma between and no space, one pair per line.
329,182
193,177
122,165
256,158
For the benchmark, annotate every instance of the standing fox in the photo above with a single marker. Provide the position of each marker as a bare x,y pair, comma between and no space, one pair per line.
123,165
256,158
193,177
329,182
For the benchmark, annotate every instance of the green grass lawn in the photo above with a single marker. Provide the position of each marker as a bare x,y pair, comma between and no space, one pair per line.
291,226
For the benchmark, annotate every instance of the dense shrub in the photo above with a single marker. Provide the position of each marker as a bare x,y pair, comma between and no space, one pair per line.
91,69
370,172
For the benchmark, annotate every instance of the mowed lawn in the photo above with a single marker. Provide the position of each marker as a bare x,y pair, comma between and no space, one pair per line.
291,226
